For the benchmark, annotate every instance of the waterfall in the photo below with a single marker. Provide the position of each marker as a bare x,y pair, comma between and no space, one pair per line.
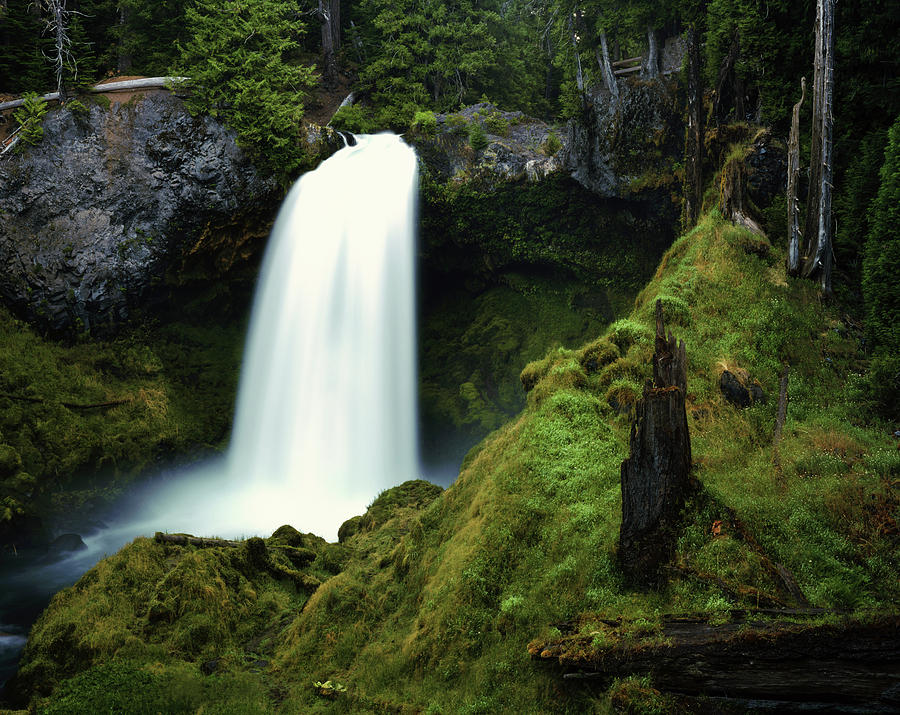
326,409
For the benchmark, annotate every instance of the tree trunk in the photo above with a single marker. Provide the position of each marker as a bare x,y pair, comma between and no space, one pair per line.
757,656
824,250
579,75
793,178
811,231
124,56
58,23
693,148
329,62
606,67
652,53
654,478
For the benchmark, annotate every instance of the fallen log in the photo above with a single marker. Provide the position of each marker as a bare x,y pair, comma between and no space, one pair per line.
127,85
190,540
836,667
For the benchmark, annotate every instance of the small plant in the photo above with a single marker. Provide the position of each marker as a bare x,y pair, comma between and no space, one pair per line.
551,144
496,123
477,138
76,106
30,117
457,124
329,689
353,118
425,123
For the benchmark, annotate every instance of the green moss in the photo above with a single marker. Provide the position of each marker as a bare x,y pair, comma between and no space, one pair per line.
171,390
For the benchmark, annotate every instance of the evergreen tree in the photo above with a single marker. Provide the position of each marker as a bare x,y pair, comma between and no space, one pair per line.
240,56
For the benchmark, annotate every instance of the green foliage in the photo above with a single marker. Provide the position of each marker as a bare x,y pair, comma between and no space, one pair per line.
354,118
77,107
30,117
477,138
880,286
176,384
551,144
425,123
495,122
238,55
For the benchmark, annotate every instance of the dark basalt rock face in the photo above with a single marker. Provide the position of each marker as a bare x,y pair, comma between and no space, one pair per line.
617,148
96,216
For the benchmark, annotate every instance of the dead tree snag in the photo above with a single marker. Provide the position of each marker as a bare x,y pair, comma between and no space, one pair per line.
655,477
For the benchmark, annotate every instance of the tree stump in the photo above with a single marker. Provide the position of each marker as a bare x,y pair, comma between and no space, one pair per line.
655,477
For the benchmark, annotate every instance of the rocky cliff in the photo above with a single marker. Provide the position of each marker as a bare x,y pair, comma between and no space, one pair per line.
118,205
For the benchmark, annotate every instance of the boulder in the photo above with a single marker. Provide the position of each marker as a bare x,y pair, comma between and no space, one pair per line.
741,390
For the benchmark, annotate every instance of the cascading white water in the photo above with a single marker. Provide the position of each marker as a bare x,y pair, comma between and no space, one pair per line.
326,413
326,410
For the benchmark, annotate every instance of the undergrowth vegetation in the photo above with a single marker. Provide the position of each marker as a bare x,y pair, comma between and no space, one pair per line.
81,420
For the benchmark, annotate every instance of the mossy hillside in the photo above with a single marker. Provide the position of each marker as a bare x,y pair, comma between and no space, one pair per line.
526,536
472,350
159,392
509,270
433,610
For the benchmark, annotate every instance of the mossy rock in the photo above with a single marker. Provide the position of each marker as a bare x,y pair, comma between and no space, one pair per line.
298,556
286,535
625,333
598,355
349,528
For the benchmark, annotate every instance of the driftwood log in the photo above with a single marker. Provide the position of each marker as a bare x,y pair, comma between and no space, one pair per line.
128,85
655,477
758,658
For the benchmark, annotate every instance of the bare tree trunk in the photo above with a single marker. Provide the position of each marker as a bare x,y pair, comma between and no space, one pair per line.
793,177
579,75
652,53
606,67
329,62
655,477
124,56
693,147
818,261
811,231
58,23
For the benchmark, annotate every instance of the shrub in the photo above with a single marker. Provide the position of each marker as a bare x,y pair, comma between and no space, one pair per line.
625,333
353,118
457,124
425,123
30,117
496,123
477,138
551,144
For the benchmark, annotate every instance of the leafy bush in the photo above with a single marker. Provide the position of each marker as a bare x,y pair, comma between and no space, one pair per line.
354,118
457,124
425,123
30,117
551,144
496,123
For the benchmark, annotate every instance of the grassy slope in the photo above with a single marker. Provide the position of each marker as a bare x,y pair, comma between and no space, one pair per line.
434,608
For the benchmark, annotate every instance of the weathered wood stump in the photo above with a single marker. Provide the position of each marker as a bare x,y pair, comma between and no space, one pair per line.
655,477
